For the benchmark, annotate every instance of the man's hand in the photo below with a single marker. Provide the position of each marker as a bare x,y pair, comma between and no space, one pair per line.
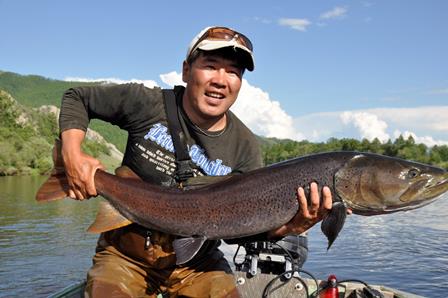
80,168
308,215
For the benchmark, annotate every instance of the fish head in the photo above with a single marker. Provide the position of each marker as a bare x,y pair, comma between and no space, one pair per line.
371,184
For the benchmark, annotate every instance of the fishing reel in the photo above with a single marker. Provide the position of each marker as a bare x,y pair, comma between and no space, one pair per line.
285,255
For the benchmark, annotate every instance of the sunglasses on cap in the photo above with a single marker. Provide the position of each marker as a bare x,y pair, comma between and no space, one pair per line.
224,34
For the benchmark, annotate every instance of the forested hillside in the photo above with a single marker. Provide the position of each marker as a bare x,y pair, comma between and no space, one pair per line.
27,136
35,91
403,148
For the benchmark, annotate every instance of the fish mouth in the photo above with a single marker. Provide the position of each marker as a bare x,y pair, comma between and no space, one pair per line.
431,192
438,188
411,205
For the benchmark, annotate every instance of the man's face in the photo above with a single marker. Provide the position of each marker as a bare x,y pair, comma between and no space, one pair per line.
213,83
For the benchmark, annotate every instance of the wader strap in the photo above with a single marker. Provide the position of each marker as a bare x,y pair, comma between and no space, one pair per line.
183,160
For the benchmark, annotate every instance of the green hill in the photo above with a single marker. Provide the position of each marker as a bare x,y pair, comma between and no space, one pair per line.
35,91
27,137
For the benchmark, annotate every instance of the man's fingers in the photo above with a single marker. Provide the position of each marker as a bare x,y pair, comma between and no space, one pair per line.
314,196
303,205
90,188
71,194
79,195
327,201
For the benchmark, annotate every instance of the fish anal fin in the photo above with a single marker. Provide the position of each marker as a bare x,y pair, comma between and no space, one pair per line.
187,248
332,224
107,218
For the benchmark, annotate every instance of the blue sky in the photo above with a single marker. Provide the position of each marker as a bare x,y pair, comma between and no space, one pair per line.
322,68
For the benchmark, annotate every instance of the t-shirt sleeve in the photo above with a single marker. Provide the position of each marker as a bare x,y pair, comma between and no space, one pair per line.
121,105
248,150
253,156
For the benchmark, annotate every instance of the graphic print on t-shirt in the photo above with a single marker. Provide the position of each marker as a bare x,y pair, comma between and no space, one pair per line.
166,164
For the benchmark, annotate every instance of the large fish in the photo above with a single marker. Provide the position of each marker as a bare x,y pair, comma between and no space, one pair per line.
265,199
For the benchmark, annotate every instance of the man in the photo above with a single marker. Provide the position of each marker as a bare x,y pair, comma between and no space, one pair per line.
133,261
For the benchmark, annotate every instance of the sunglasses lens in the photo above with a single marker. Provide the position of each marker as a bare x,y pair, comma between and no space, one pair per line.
222,34
227,34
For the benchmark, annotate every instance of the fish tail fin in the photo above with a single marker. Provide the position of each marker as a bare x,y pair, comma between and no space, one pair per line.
56,186
332,224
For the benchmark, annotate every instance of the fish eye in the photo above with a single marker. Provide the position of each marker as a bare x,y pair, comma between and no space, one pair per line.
413,173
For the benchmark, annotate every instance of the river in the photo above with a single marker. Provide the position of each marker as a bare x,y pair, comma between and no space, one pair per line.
44,247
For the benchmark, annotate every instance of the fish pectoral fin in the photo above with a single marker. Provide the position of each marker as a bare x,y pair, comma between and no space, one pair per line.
332,224
187,248
107,218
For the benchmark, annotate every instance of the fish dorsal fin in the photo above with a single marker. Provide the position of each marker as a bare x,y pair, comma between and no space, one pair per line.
108,218
187,248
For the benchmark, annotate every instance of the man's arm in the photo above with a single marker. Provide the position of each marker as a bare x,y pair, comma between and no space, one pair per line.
80,167
115,104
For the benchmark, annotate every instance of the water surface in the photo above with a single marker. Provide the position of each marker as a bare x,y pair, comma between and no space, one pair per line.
44,247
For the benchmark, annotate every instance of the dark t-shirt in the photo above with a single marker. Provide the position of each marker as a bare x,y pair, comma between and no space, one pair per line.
149,151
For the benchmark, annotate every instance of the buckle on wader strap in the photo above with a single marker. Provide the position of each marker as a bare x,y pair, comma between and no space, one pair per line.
148,239
184,170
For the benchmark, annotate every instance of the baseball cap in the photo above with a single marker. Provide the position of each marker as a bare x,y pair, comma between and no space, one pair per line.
216,37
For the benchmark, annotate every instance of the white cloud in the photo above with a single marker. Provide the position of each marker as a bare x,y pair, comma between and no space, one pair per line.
427,140
172,78
147,83
368,124
296,24
336,13
431,118
255,108
263,20
438,91
263,115
428,125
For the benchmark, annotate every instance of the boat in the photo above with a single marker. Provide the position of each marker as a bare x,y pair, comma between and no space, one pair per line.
254,287
266,270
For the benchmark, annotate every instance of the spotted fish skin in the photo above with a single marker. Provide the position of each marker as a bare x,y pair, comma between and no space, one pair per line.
265,199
